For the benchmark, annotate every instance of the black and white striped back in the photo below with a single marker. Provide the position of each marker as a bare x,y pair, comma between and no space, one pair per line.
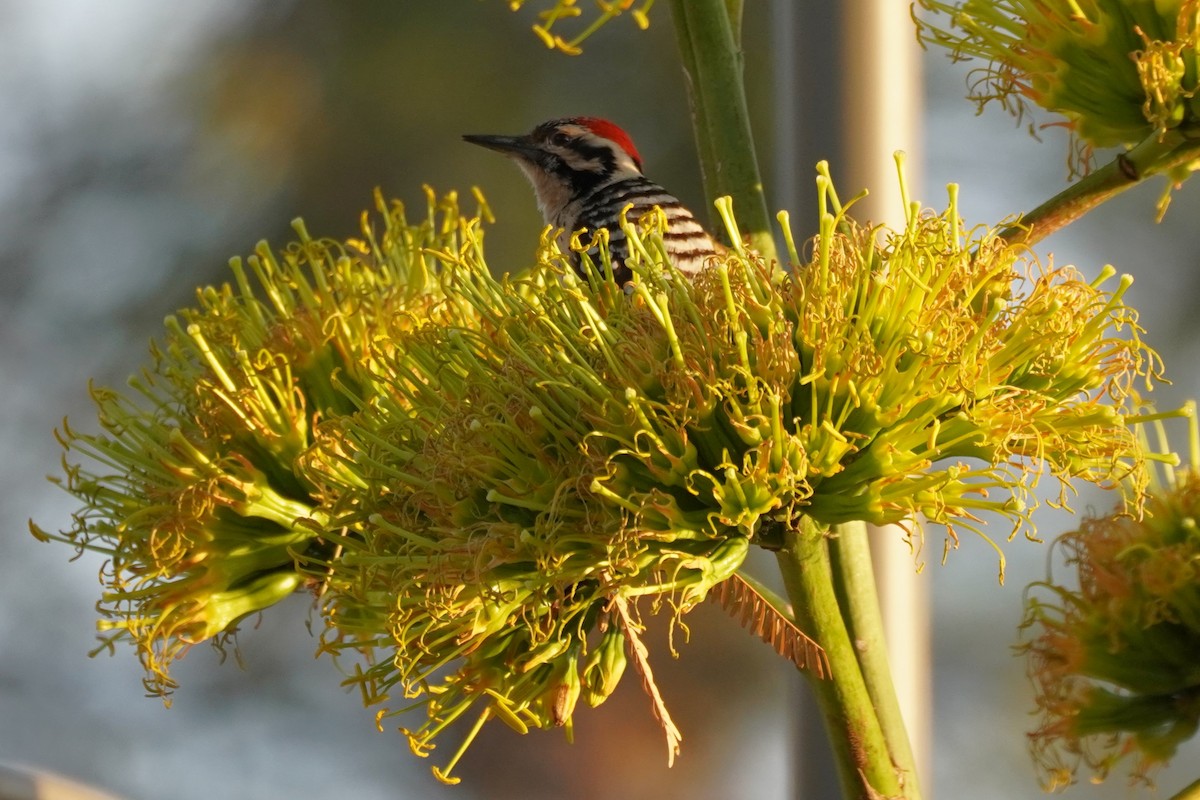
686,242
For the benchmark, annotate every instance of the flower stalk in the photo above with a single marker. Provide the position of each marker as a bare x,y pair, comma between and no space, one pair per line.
873,755
708,36
1190,792
854,585
1173,155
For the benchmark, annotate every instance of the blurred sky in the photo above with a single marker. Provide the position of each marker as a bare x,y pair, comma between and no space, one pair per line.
144,143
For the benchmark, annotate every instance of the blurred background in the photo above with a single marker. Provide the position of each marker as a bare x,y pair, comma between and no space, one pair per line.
142,144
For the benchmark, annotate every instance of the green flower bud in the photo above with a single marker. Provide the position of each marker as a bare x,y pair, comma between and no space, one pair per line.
564,691
603,668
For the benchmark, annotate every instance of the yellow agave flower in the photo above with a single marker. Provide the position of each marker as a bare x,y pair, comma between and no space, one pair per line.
1114,660
1119,71
561,10
529,482
194,490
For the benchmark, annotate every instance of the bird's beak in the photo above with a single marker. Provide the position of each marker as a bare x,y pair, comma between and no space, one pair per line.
509,145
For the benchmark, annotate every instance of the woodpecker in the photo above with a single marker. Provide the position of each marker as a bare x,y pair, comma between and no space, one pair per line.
585,171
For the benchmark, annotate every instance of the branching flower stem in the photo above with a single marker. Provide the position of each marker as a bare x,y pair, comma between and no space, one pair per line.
854,698
1154,156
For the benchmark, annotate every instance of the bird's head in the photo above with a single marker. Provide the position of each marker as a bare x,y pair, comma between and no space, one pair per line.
566,159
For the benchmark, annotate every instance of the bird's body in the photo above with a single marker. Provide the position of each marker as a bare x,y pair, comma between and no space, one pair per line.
585,171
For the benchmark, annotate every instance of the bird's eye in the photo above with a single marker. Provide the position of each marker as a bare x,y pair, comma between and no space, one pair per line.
560,139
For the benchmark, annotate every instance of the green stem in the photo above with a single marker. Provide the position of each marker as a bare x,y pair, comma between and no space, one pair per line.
1151,157
860,747
734,9
687,55
707,33
854,584
1190,792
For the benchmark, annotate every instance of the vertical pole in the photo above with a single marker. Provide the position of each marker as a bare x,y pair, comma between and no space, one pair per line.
880,63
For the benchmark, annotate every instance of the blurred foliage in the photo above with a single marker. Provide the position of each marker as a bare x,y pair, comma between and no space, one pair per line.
606,10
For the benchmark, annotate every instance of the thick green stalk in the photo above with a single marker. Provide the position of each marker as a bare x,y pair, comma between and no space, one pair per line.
1151,157
860,747
704,145
1190,792
734,9
707,32
854,585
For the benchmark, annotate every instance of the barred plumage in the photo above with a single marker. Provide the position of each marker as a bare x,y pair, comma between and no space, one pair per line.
585,171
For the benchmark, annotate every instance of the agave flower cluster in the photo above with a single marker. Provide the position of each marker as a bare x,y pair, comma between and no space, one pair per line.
529,480
1119,71
488,481
192,491
1113,659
